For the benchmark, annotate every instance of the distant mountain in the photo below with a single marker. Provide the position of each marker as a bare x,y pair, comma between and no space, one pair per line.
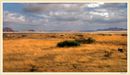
87,30
111,29
71,30
7,29
31,30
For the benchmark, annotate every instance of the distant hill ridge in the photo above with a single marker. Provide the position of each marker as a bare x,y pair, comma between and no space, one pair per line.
7,29
112,29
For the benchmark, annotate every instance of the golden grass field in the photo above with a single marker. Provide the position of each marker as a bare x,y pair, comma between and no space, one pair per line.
37,52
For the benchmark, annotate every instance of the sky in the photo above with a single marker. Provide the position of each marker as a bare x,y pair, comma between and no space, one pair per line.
48,17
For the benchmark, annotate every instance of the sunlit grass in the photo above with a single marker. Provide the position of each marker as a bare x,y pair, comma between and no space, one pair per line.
39,52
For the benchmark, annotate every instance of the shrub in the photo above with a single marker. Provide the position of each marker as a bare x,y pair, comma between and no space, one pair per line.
80,35
86,40
68,43
120,49
123,34
23,35
33,68
108,54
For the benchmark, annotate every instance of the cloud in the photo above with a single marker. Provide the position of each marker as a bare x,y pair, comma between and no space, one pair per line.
93,5
105,14
13,17
69,16
17,18
45,7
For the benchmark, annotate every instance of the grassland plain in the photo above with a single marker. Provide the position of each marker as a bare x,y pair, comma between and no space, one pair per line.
37,52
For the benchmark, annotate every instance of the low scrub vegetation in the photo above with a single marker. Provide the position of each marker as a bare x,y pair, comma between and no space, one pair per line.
86,40
77,42
68,43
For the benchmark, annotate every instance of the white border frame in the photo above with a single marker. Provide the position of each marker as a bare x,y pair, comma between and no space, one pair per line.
64,73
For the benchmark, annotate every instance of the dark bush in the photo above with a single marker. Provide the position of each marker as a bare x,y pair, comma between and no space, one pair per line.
86,40
108,54
33,68
79,35
61,35
23,35
120,49
53,36
68,43
123,34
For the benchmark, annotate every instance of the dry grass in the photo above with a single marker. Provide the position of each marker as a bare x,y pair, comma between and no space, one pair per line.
28,52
